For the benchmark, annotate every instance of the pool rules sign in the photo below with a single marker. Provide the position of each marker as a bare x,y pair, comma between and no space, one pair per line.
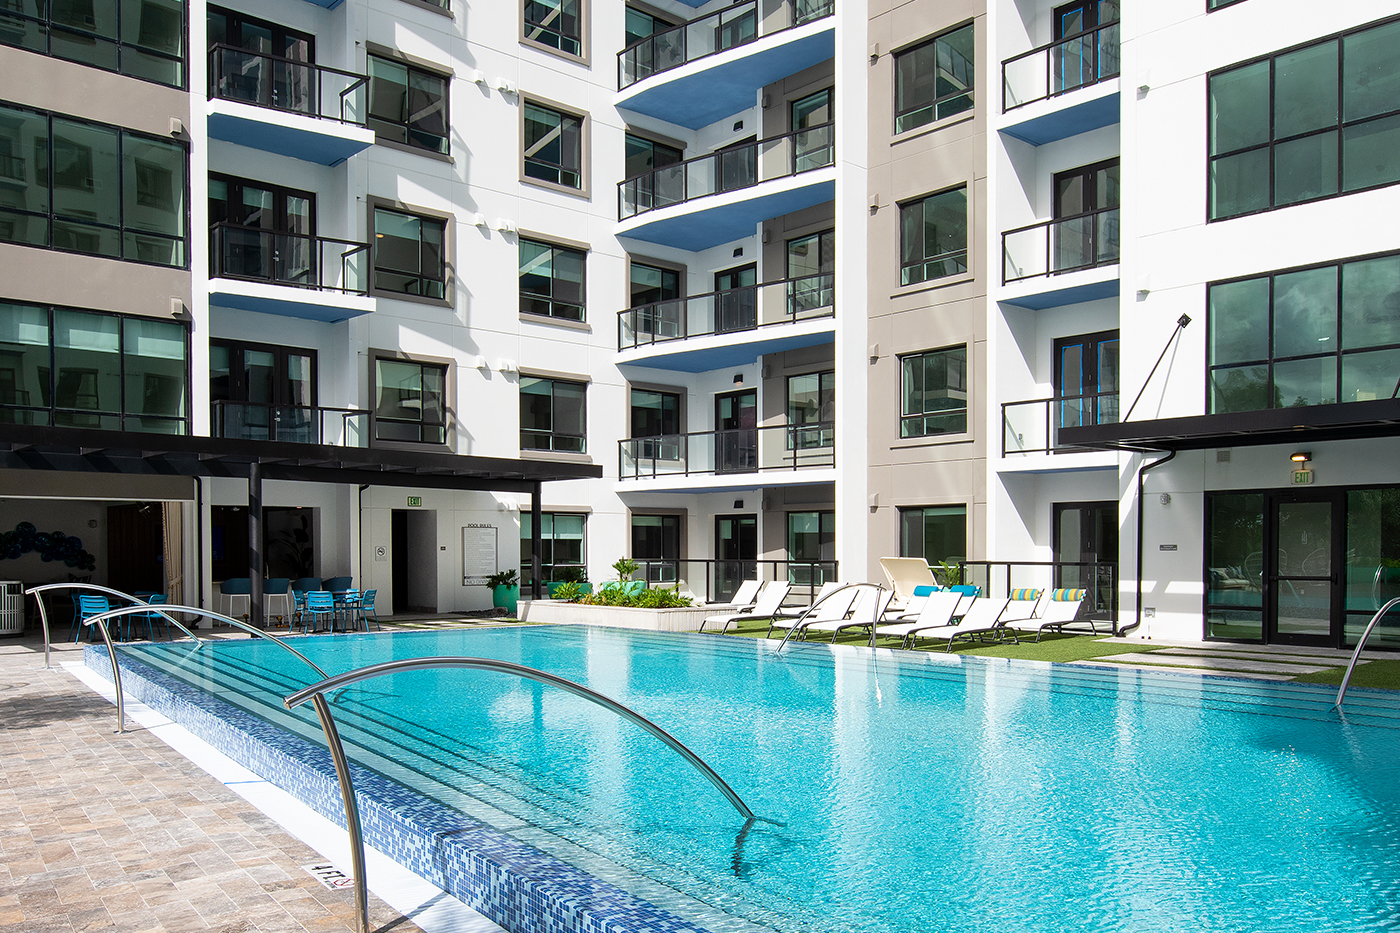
478,554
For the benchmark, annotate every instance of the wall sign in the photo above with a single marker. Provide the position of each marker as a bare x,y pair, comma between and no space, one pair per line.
1166,547
478,554
415,502
1302,477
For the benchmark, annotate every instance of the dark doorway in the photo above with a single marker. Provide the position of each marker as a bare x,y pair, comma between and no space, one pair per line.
398,545
736,553
289,544
1087,532
263,392
136,547
413,538
1302,559
736,299
736,432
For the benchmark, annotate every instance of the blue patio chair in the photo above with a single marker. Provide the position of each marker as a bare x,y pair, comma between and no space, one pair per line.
151,619
299,606
88,606
238,587
280,588
367,611
319,604
347,604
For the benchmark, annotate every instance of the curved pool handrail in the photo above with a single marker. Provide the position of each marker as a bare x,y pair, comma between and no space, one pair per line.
800,622
316,692
188,610
1360,643
44,616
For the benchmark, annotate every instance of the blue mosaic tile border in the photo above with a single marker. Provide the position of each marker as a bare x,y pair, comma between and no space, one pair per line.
517,886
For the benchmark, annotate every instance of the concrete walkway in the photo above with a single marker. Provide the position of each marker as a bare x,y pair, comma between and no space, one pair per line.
1255,662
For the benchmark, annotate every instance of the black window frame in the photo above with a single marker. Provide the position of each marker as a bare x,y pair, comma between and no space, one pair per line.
377,287
549,567
52,411
969,92
958,258
1092,391
550,433
218,266
560,170
908,512
1338,353
406,121
1213,5
906,418
553,38
421,424
813,433
1270,146
531,302
47,26
123,232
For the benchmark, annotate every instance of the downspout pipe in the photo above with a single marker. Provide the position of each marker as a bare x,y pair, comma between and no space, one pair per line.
1141,481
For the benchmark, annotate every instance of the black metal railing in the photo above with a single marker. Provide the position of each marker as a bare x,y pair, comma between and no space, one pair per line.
1033,426
1062,66
718,580
729,169
737,450
294,259
1065,244
734,26
286,84
729,311
1099,580
293,424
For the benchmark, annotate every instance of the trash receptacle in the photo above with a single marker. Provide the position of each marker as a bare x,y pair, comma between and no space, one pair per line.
11,607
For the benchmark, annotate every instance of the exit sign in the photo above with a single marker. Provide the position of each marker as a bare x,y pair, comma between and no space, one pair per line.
415,502
1302,477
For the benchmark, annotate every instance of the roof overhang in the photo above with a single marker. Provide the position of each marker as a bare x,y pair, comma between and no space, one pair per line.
1349,421
79,450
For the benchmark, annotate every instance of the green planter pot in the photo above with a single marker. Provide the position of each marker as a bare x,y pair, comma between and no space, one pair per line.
553,588
506,597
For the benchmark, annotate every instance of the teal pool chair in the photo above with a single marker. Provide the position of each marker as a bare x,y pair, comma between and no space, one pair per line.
367,611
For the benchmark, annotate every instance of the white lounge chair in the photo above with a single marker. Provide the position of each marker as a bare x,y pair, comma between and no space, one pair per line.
827,588
743,596
870,603
1025,604
770,600
1058,609
904,575
982,619
831,608
937,612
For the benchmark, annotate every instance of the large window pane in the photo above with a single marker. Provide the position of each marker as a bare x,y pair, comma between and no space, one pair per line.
933,237
934,393
1369,376
86,168
408,254
1239,108
1306,80
1305,312
1371,303
1239,388
552,415
154,360
87,365
553,146
1370,72
934,80
1239,321
24,173
1235,566
409,401
1305,169
24,363
1239,184
1371,153
551,280
1373,563
936,533
1298,383
554,23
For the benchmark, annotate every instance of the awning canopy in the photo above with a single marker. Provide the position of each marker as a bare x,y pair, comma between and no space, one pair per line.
1310,425
81,450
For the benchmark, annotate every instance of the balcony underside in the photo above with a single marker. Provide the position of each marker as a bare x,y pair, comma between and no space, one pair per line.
307,304
721,351
718,86
1065,116
1039,463
733,215
323,142
332,4
1067,288
728,482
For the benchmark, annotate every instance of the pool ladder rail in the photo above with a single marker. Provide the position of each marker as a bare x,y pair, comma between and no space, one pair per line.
1361,643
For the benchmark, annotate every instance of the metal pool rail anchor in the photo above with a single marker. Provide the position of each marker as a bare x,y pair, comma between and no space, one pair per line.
44,616
1361,643
800,621
189,610
342,767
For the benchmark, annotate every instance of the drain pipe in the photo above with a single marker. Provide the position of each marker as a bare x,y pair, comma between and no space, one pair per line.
1137,603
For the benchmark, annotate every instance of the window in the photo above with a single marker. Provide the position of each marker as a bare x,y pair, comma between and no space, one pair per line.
552,415
1306,124
811,267
1313,336
555,23
650,284
89,188
407,104
935,533
409,254
640,24
562,557
1218,4
260,231
410,401
813,144
656,546
140,38
553,146
644,187
1086,233
933,237
1088,53
811,547
84,369
264,392
811,399
656,420
551,280
934,80
934,393
261,63
1086,380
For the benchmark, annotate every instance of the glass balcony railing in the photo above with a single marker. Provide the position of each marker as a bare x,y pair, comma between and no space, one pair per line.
1033,426
737,25
288,85
1066,244
731,311
738,450
293,424
728,170
1060,67
293,259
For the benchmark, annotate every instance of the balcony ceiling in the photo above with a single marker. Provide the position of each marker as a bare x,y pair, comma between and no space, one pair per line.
308,304
324,142
1038,127
1056,291
712,88
728,482
734,215
723,351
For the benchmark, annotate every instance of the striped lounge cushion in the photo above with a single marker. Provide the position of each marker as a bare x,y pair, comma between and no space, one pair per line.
1067,596
1025,594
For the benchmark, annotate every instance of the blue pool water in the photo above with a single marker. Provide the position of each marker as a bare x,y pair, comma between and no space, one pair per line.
919,792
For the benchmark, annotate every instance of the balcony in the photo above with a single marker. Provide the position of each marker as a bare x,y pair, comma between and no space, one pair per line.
288,274
292,424
1030,429
1038,260
1035,85
714,66
306,111
728,458
729,328
736,188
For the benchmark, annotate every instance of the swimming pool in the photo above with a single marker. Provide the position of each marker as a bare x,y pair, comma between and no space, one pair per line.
920,792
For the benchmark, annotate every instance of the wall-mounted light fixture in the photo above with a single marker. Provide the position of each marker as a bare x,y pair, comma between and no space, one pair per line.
738,379
1302,456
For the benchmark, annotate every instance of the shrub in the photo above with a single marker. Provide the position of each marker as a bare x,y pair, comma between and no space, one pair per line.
504,578
646,599
570,591
625,567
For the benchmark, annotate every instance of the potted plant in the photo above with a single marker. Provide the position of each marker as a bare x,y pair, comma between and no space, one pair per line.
563,576
505,590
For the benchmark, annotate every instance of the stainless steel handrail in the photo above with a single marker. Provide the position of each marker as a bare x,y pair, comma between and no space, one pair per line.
801,619
44,616
342,768
1361,643
188,610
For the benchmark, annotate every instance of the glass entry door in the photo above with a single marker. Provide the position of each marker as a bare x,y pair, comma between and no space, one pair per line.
1302,560
736,432
736,553
1086,540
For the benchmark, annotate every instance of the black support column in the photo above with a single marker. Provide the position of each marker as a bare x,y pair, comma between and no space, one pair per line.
536,537
255,537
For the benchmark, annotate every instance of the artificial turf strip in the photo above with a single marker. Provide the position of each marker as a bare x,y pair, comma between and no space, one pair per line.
1382,674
